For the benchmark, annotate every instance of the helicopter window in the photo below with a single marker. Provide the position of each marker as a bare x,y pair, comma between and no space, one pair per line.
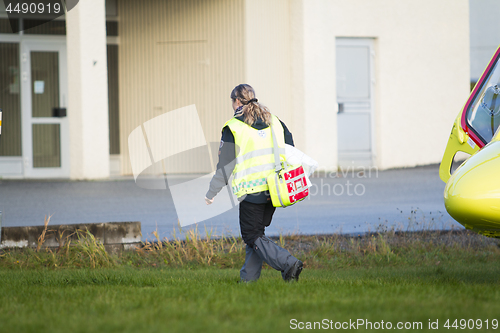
483,116
458,159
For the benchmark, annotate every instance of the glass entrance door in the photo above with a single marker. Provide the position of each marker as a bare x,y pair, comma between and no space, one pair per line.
45,122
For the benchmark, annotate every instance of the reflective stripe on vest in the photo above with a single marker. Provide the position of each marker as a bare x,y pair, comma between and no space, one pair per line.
255,157
257,153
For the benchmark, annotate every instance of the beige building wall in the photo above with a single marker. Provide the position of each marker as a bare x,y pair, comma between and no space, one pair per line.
180,52
313,81
421,71
177,53
284,69
268,66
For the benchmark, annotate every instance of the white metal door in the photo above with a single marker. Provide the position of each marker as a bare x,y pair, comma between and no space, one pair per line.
355,80
45,132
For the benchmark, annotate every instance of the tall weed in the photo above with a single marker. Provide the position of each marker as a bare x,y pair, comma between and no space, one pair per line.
385,247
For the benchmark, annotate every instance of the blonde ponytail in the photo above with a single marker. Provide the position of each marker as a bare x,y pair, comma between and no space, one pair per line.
252,109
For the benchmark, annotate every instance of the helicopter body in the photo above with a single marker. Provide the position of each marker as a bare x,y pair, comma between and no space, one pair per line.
472,192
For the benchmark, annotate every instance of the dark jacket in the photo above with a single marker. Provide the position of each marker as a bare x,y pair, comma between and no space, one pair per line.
227,160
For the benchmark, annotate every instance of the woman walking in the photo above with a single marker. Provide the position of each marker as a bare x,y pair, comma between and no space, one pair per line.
246,152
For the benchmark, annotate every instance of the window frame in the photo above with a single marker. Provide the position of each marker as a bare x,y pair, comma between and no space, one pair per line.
466,125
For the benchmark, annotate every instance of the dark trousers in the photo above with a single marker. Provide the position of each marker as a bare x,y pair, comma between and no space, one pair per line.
254,218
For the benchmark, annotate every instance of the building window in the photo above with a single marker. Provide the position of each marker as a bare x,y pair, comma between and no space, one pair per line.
10,100
6,27
56,27
114,120
111,28
111,8
37,27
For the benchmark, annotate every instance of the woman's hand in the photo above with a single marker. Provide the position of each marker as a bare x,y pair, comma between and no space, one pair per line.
209,201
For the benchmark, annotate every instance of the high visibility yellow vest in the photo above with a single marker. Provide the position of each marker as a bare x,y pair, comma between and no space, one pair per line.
254,155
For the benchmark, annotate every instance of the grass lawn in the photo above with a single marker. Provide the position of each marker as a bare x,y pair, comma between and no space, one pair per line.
201,299
389,279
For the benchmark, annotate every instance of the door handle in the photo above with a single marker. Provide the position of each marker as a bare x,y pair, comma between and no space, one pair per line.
59,112
341,108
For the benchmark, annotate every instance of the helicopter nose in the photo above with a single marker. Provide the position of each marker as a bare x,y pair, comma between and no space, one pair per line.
472,194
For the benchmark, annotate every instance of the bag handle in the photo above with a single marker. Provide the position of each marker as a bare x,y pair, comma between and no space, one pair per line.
277,164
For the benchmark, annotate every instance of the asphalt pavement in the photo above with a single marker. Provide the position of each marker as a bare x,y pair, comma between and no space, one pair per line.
353,202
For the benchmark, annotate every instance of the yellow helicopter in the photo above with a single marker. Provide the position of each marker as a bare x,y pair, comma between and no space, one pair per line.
472,192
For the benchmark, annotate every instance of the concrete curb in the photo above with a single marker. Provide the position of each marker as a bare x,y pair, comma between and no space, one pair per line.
115,236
